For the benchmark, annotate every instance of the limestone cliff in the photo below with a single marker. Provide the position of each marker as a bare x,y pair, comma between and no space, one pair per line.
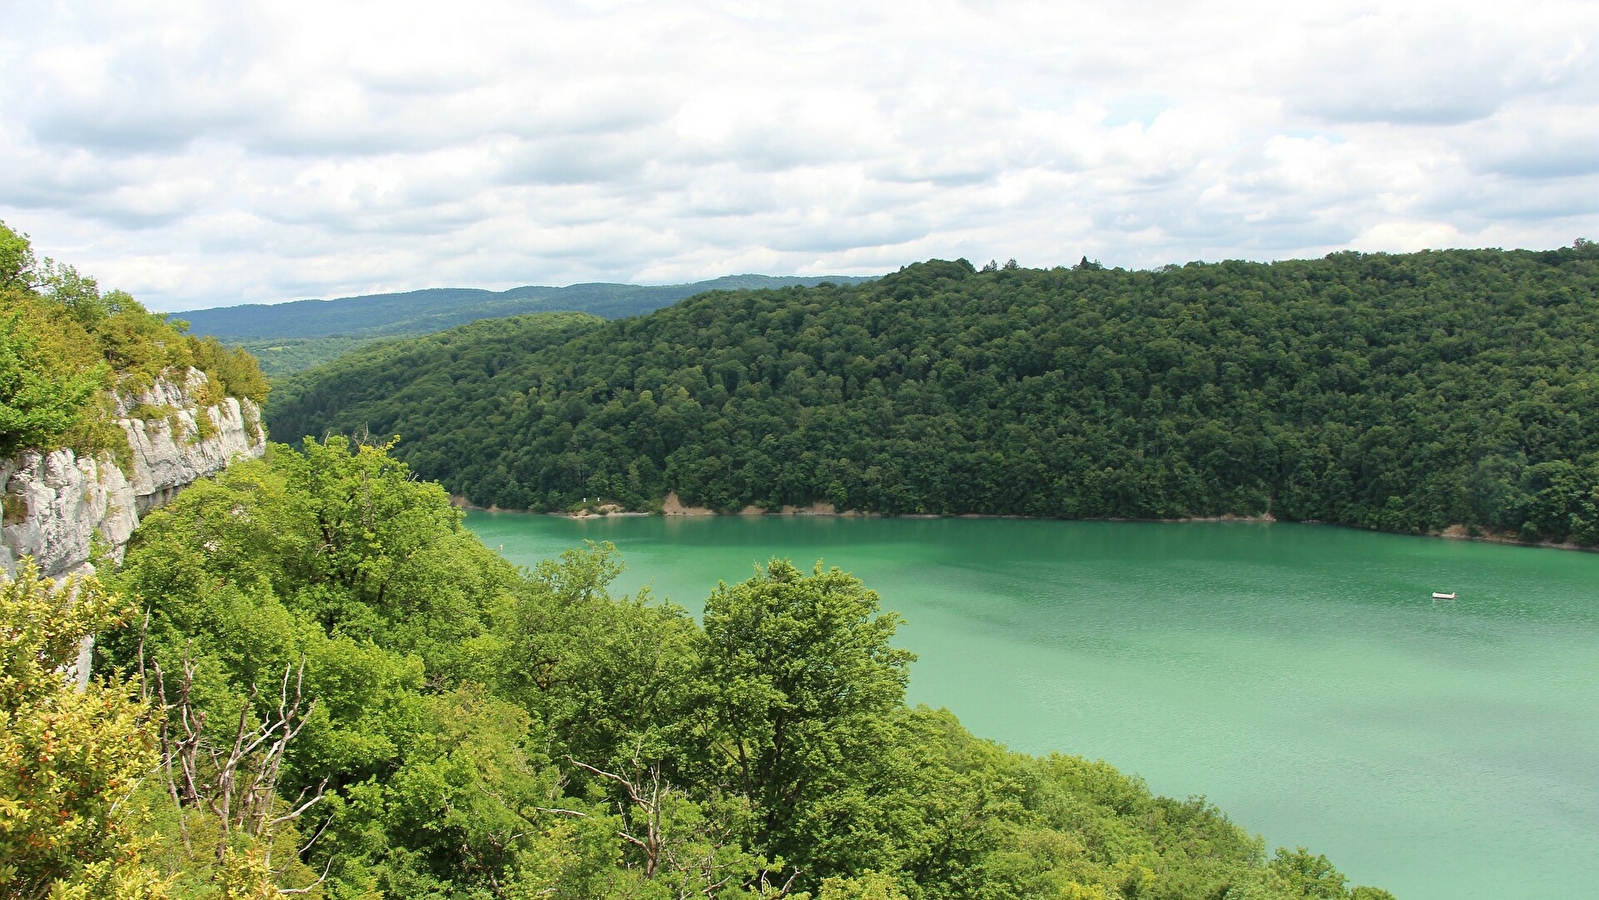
56,502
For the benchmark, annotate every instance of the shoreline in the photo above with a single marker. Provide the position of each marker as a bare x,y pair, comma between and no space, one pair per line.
672,507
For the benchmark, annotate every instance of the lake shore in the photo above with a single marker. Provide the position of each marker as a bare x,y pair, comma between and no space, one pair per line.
672,506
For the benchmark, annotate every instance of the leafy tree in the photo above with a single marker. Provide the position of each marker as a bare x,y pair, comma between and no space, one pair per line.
1304,874
616,679
869,886
64,344
232,372
37,402
805,680
18,265
464,806
69,759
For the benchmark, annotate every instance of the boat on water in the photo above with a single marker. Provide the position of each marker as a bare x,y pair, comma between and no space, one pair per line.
1440,595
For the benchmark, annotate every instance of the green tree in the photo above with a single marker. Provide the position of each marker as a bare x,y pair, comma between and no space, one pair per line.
1307,389
69,759
616,678
475,731
38,405
803,680
18,267
1301,873
64,344
868,886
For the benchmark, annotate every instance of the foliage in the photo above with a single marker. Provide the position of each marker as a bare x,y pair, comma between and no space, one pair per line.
231,372
1401,392
285,356
805,678
39,398
69,759
64,343
338,561
470,730
470,349
18,264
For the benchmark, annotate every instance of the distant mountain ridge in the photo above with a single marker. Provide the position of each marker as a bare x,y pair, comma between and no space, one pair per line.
435,309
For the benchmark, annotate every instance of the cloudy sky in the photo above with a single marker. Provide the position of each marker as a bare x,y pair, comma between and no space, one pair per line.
204,154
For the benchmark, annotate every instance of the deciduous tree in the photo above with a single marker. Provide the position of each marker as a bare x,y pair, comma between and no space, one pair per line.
803,678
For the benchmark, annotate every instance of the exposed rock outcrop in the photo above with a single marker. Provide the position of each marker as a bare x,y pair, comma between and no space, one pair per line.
672,505
56,503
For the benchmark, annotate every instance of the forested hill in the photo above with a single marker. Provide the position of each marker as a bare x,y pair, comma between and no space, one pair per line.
292,337
427,311
1402,392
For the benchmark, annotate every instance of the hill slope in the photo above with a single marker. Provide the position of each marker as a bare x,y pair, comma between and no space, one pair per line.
1402,392
426,311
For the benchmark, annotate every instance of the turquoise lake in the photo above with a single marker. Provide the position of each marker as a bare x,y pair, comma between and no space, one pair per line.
1300,677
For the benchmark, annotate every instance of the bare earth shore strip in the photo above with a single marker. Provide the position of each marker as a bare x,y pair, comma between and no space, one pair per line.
672,506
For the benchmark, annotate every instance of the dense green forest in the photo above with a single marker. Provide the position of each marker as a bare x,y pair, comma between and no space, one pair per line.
1401,392
324,684
284,356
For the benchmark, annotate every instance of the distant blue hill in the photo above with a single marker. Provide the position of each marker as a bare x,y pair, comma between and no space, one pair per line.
435,309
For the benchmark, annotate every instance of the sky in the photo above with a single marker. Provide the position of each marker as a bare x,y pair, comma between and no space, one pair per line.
203,154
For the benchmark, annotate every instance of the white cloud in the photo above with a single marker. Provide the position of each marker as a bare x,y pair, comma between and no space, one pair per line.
1408,236
201,154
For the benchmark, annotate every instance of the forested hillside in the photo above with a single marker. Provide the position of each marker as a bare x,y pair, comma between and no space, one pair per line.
291,337
435,309
1401,392
343,694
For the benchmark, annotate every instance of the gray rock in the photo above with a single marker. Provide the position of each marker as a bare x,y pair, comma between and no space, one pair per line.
57,503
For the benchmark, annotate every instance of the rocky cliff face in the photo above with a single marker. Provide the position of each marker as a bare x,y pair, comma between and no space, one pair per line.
56,503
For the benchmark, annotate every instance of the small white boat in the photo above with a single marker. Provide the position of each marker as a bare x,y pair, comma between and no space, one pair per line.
1440,595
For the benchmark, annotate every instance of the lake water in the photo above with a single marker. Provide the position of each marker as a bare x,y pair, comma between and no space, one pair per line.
1298,676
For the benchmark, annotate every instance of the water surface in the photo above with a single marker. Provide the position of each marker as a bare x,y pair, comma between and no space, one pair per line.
1298,676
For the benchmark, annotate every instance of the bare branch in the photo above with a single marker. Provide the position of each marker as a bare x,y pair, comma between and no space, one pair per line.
300,810
307,888
316,837
236,782
562,812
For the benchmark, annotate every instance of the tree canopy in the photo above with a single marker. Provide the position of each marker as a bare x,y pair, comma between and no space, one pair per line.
348,696
64,343
1403,392
291,337
68,758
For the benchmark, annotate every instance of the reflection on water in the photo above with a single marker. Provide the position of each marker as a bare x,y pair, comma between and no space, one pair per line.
1301,677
